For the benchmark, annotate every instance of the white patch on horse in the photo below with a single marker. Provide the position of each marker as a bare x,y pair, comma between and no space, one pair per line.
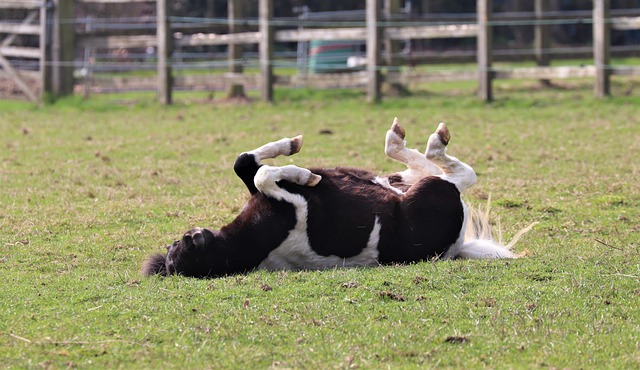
384,182
295,252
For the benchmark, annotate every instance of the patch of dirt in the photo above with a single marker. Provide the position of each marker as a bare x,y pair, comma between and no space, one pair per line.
10,90
456,339
393,296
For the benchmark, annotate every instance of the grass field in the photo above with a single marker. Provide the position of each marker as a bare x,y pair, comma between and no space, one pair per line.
89,188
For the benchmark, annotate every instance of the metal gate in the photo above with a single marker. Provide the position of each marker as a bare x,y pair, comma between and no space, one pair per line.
34,24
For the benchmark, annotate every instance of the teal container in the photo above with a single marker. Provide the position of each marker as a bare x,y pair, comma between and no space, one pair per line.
329,56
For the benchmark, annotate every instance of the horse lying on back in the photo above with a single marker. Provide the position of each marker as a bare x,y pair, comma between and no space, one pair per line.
318,218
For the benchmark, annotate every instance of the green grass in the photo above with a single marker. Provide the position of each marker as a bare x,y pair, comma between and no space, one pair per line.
89,188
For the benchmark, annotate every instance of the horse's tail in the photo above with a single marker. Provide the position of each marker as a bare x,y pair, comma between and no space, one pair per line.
480,242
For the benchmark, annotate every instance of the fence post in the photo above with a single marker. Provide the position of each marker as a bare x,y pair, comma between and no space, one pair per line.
541,41
45,57
485,56
373,51
601,46
62,50
234,52
266,49
391,7
391,48
165,44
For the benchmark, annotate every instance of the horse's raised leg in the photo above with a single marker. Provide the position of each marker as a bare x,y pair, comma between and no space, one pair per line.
418,164
454,171
248,163
286,146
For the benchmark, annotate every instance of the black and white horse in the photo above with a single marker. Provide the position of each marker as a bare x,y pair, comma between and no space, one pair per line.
298,218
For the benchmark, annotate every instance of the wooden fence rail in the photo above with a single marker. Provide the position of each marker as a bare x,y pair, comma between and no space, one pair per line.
59,41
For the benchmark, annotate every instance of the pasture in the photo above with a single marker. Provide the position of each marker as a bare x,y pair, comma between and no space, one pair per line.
89,188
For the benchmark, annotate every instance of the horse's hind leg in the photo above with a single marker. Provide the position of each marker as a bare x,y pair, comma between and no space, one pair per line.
248,163
418,164
455,171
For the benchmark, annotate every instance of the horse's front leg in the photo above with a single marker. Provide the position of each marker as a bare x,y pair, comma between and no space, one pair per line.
248,163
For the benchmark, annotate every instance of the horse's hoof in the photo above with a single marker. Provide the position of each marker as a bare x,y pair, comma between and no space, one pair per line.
296,144
397,129
443,133
313,180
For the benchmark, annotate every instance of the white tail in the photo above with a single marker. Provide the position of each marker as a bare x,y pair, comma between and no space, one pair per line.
479,241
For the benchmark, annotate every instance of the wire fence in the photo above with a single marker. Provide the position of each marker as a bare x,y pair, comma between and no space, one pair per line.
133,59
445,53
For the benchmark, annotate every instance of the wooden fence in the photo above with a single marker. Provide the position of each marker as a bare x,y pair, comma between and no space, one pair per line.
59,41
